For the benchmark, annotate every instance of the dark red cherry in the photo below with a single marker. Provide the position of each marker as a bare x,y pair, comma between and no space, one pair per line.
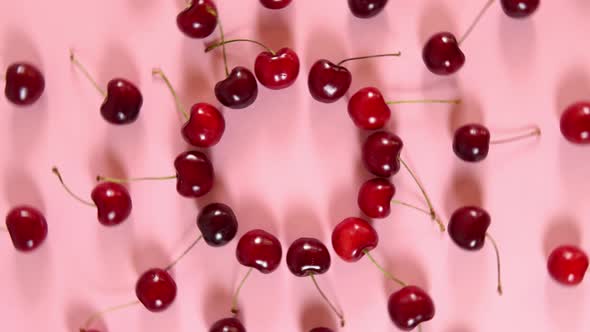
308,256
260,250
194,174
275,4
575,123
520,8
122,102
381,152
327,81
156,289
27,227
442,54
205,126
321,329
24,83
368,109
410,306
374,197
351,237
228,325
568,265
198,20
468,226
238,90
113,203
277,71
366,8
472,142
218,224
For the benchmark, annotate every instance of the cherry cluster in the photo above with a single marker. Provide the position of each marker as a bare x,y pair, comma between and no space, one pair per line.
353,238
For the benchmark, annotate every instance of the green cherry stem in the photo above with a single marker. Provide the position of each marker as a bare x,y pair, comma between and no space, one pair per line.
99,314
338,313
86,73
534,132
179,107
425,101
213,12
369,57
234,302
395,201
78,198
184,253
477,19
498,265
225,42
385,272
100,178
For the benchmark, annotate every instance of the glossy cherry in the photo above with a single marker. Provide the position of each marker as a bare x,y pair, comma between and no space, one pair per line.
374,197
228,325
260,250
468,227
321,329
277,70
442,55
275,4
156,289
575,123
239,90
409,307
205,126
194,173
568,265
366,8
520,8
368,109
27,227
24,83
352,237
308,256
218,224
381,153
327,81
472,142
198,19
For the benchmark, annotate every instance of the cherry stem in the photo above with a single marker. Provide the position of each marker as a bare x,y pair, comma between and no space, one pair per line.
432,213
477,19
184,253
92,318
386,273
148,178
225,42
395,201
234,302
425,101
213,12
179,106
86,73
338,313
497,262
420,328
535,132
369,57
81,200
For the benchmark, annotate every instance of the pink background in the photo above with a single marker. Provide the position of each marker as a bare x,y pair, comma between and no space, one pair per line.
291,165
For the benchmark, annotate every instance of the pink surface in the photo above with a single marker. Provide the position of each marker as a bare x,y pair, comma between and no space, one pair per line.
291,165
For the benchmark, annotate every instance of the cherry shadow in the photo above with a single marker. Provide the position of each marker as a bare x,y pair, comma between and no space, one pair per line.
464,189
28,128
407,269
273,28
571,160
117,62
149,254
195,84
28,268
459,328
468,111
301,221
568,316
218,194
316,314
19,46
217,303
322,44
517,40
573,86
20,188
561,230
106,161
77,312
344,197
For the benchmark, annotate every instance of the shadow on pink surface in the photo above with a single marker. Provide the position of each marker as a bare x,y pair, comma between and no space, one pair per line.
407,269
561,230
316,314
77,312
217,304
463,189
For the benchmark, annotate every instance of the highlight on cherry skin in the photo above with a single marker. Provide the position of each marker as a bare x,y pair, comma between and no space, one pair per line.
567,264
24,83
275,4
122,99
228,325
520,8
366,8
352,238
238,90
204,124
218,224
575,123
27,227
111,200
409,307
156,289
198,20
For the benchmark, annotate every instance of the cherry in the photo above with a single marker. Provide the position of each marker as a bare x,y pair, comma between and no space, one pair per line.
321,329
567,265
472,141
352,238
468,228
575,123
112,201
156,289
374,197
122,99
275,4
228,325
366,8
381,153
27,227
24,83
205,125
328,82
218,224
198,19
520,8
239,90
409,307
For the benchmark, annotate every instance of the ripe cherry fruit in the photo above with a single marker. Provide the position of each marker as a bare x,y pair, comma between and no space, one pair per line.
520,8
27,227
568,265
228,325
24,83
198,20
275,4
575,123
366,8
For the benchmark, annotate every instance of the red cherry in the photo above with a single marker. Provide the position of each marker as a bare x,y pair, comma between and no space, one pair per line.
194,173
275,4
568,265
238,90
205,127
374,197
368,109
218,224
228,325
327,81
27,227
260,250
277,70
24,83
575,123
156,289
520,8
381,153
442,55
366,8
307,256
410,306
472,142
198,20
352,237
113,203
321,329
